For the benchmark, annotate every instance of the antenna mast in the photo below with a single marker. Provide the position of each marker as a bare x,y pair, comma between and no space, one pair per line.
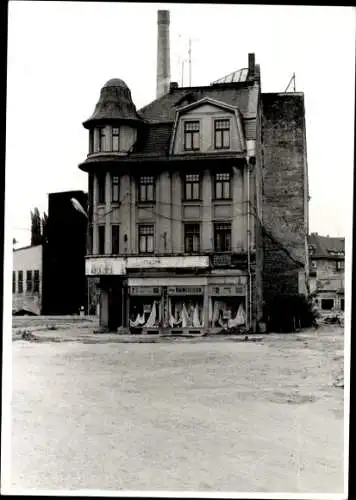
290,81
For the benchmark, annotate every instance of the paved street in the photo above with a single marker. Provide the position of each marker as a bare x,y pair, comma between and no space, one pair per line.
218,416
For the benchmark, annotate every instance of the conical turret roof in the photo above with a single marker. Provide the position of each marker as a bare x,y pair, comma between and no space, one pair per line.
115,105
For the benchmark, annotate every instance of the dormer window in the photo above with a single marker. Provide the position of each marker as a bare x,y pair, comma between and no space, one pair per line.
115,146
222,134
192,135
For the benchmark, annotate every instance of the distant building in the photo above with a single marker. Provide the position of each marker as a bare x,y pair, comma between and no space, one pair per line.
327,272
64,282
27,280
198,202
50,278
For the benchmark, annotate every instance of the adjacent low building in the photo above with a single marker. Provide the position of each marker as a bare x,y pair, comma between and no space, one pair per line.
327,272
27,276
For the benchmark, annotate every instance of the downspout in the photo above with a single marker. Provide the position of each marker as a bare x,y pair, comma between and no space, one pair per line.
248,249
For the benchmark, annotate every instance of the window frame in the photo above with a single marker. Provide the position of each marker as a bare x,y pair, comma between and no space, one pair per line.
29,284
19,281
144,235
101,200
223,183
91,141
191,134
192,234
36,281
102,140
101,228
14,281
224,248
191,183
142,184
118,139
115,184
115,248
222,130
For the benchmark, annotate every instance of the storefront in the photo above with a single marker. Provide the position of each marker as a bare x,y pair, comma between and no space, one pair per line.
227,306
185,306
145,307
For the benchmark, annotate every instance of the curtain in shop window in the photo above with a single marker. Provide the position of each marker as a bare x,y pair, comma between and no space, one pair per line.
152,317
239,318
196,319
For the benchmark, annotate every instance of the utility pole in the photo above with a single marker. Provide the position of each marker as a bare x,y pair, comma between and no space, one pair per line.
190,62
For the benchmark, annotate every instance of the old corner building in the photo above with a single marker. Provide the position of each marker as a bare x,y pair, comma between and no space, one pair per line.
198,202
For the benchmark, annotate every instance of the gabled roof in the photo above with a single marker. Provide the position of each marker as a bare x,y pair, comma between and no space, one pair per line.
325,246
206,100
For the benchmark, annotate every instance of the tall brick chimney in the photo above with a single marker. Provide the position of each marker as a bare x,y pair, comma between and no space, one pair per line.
251,65
163,54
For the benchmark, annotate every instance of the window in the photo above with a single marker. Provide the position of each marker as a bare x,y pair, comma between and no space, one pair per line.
146,190
36,281
327,304
192,187
28,281
13,281
222,186
342,304
222,237
192,136
20,281
115,242
102,140
91,141
115,145
90,239
115,189
145,238
101,187
191,238
101,237
222,134
340,265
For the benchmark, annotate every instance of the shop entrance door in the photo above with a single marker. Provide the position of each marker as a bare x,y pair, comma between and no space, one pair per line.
115,307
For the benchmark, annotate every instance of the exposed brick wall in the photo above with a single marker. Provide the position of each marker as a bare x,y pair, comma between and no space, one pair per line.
284,191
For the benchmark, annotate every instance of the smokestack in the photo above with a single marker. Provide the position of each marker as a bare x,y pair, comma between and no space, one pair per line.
251,65
163,55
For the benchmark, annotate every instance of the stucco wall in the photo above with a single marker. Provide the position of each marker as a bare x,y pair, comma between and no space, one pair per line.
28,259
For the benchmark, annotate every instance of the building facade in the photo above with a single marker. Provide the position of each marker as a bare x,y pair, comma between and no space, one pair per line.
27,277
185,198
327,272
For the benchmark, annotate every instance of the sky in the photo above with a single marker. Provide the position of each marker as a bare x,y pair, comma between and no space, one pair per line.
60,54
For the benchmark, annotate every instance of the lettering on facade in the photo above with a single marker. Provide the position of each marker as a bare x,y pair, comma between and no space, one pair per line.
185,290
145,290
105,268
226,291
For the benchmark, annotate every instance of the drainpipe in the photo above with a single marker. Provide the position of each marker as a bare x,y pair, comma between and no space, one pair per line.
248,247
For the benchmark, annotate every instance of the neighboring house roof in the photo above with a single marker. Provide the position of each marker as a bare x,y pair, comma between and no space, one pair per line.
154,140
326,246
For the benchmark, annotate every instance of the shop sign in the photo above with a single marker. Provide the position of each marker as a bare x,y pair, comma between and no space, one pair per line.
145,290
227,291
185,290
168,262
102,267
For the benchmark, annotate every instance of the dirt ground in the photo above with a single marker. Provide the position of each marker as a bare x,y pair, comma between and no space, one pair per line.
264,416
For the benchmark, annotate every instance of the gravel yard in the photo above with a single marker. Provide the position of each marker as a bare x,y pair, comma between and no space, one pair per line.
263,416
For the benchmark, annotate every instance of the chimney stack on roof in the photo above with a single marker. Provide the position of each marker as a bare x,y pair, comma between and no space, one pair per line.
163,54
251,65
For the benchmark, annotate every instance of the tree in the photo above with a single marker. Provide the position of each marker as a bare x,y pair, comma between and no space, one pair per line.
36,233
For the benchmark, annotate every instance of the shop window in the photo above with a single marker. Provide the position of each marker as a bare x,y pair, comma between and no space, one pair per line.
145,238
36,281
222,186
191,238
101,177
342,304
20,281
222,134
327,304
146,188
13,281
28,281
115,241
222,237
115,189
101,238
192,187
192,135
115,144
